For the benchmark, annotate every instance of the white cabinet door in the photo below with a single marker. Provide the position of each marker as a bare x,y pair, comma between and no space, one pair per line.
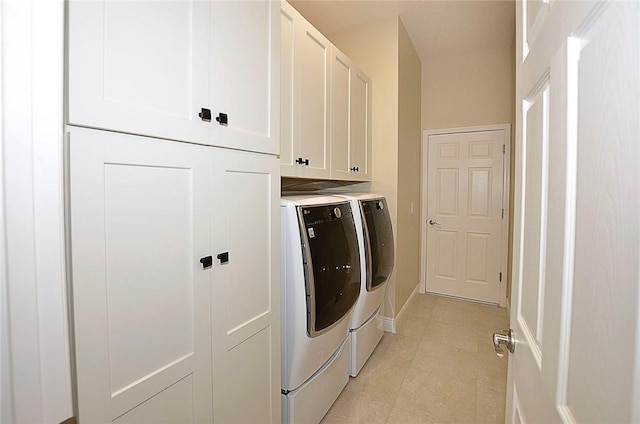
245,79
350,120
140,67
360,106
305,97
341,71
141,299
246,287
288,149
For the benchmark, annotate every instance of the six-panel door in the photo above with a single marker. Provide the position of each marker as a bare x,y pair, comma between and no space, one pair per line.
464,220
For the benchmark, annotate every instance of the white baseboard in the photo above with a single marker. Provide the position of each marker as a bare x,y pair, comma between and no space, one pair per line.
389,324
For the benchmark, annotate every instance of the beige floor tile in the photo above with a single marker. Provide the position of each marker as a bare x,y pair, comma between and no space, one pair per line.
492,379
379,380
440,368
400,416
396,349
412,326
420,309
354,407
460,337
455,315
494,323
490,407
446,362
427,301
493,310
435,399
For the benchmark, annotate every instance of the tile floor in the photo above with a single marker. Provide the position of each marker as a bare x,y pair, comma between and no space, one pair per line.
439,368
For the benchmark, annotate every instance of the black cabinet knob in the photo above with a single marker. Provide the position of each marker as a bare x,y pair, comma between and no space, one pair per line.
223,257
222,119
355,169
207,262
302,161
205,115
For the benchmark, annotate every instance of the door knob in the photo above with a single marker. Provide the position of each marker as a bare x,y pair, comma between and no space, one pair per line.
504,339
432,222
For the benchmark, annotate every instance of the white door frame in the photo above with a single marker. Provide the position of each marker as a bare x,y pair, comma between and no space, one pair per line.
504,259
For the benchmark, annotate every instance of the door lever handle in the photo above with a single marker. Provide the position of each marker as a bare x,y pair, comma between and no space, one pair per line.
504,339
432,222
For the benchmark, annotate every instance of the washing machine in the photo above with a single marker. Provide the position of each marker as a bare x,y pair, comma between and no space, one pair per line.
375,238
321,275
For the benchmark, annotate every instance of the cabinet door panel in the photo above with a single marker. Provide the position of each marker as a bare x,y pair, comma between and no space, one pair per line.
312,61
140,67
139,225
341,69
361,126
246,289
288,111
245,74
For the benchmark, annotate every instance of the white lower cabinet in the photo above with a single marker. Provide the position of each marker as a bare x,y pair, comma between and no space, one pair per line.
161,333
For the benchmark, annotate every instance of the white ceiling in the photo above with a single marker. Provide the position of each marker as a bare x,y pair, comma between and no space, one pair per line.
436,28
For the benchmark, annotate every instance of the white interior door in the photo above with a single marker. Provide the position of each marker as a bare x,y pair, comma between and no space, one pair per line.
574,305
141,299
464,219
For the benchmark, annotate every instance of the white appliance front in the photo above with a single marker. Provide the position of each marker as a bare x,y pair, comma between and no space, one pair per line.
320,285
376,247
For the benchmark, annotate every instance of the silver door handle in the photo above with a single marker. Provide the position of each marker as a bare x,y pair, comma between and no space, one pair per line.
432,222
504,339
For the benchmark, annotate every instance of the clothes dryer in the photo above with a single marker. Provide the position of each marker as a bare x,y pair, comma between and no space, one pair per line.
320,265
376,247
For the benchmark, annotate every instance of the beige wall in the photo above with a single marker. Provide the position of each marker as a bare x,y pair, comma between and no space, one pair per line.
408,251
383,50
468,90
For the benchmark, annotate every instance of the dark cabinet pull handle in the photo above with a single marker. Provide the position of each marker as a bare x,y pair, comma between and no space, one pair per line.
302,161
223,257
205,115
207,262
222,119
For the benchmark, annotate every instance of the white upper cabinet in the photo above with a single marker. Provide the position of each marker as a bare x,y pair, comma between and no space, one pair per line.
350,120
244,75
168,69
139,67
305,91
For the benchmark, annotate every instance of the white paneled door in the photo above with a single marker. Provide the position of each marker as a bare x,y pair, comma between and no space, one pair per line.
464,221
575,297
